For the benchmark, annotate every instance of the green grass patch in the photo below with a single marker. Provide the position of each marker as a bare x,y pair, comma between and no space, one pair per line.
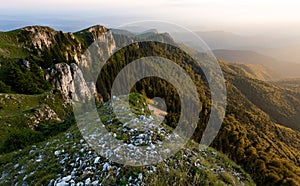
17,112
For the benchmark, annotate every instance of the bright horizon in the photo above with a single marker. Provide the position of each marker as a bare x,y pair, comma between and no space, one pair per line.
243,17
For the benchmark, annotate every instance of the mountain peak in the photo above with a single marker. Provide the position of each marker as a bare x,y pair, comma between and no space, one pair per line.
95,28
37,28
93,32
153,30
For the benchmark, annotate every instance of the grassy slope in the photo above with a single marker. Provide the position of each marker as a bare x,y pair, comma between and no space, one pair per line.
192,165
40,165
19,114
10,47
14,107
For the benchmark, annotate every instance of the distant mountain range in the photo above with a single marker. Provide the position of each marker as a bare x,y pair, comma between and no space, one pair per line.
279,54
271,68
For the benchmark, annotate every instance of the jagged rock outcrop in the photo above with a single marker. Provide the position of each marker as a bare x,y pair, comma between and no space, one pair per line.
101,43
69,81
42,114
75,74
41,36
54,46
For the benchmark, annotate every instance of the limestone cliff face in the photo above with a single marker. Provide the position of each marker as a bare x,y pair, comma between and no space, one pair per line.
74,71
101,44
69,81
62,80
52,45
41,36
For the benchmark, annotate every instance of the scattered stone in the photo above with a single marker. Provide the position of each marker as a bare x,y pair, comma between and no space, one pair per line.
106,167
95,183
72,183
57,153
140,177
62,184
51,183
97,160
88,181
67,178
21,171
16,166
39,160
154,169
25,177
82,166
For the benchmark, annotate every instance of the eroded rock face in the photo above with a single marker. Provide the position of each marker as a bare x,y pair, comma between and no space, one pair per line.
42,114
69,81
62,80
67,76
101,48
45,41
82,89
41,36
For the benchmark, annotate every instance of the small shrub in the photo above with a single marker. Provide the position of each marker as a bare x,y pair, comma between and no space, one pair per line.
14,139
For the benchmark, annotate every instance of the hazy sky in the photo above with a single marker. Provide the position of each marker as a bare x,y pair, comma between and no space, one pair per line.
243,16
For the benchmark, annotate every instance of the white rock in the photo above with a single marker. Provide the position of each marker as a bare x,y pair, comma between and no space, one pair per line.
62,184
66,179
51,182
25,177
39,160
97,160
72,183
69,79
140,176
56,153
88,181
106,167
16,166
79,184
21,172
154,169
94,183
